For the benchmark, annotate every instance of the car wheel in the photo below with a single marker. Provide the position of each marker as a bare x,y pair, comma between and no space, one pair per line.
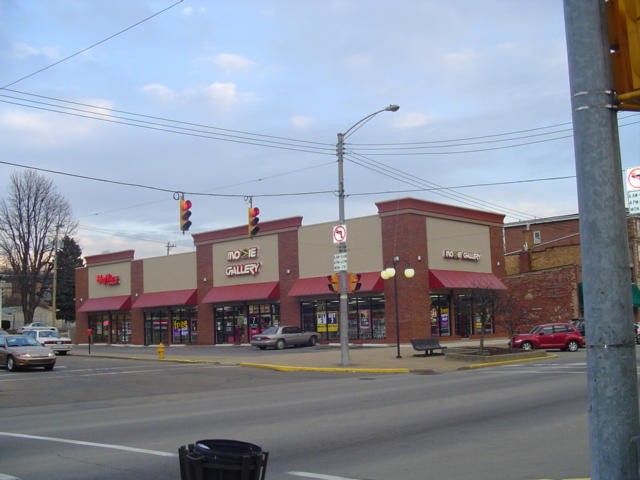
280,344
11,364
313,341
61,352
526,346
573,346
48,367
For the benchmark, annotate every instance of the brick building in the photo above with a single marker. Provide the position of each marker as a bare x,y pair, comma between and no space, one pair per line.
234,286
544,266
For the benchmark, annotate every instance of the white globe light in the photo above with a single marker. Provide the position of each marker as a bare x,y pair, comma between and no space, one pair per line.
384,275
390,271
409,272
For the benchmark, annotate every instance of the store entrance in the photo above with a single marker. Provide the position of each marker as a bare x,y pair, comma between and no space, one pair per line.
229,322
156,327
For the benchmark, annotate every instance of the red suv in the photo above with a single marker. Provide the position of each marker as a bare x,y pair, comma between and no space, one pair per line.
550,335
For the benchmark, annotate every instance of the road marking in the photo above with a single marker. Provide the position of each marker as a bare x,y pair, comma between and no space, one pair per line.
319,476
91,444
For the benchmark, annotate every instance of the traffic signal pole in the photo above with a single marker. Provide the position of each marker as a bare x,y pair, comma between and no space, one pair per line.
611,357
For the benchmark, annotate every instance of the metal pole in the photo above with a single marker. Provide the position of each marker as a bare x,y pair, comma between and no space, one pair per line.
342,248
611,357
395,290
55,276
344,300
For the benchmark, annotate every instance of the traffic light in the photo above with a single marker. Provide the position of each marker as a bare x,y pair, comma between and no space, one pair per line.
334,283
252,221
354,282
624,41
185,214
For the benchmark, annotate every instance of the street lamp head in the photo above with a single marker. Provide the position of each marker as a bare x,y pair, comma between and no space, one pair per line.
392,108
409,272
390,272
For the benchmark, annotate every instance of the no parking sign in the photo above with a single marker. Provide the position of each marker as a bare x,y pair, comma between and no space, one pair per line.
633,190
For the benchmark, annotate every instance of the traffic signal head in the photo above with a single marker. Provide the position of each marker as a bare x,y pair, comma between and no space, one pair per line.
334,283
185,214
252,221
624,41
354,282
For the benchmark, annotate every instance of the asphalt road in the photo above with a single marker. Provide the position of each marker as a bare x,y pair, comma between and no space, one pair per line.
99,418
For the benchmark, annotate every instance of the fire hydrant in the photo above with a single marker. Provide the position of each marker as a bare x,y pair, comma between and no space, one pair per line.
161,351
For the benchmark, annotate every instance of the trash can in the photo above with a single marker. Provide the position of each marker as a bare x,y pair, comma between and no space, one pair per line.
222,460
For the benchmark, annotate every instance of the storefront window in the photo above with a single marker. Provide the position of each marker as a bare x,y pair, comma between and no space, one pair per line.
262,316
156,327
463,307
440,316
229,321
185,325
366,318
121,327
99,325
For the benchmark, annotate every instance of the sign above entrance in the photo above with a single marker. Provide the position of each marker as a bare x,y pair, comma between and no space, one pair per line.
453,254
108,279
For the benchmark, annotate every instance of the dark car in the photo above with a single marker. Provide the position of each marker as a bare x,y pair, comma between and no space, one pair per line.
579,324
564,336
284,336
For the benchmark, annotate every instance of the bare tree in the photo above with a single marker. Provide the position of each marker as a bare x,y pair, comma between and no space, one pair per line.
516,314
32,216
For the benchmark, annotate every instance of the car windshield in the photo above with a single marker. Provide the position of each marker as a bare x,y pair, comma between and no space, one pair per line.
536,329
271,330
22,342
49,333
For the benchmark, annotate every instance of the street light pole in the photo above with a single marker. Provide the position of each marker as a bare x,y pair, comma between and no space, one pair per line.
386,274
342,247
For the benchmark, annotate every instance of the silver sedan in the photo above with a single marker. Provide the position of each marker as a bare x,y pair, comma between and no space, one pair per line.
284,336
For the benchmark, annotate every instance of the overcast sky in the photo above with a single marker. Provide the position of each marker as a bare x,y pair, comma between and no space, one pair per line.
227,99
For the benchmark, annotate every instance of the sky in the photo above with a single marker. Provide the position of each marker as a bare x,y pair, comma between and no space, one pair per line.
124,104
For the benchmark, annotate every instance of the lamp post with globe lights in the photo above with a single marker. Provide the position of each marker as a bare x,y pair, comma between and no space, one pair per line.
387,273
342,247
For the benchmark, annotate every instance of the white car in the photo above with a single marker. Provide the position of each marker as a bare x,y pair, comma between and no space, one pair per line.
52,339
37,326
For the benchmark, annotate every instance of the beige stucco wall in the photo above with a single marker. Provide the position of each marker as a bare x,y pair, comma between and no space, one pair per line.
122,270
171,272
364,247
461,237
267,257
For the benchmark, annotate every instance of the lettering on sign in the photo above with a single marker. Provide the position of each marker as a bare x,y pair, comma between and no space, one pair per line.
243,269
457,255
242,254
108,279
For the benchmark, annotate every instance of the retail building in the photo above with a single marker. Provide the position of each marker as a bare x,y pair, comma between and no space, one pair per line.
234,286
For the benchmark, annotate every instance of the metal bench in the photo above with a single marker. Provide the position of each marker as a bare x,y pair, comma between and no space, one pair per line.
427,345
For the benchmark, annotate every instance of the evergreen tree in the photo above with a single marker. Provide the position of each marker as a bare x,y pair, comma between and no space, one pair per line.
69,258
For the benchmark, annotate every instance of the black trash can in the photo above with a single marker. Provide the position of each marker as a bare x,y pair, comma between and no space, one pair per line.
222,460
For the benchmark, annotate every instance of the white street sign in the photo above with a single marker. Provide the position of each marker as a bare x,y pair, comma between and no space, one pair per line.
340,262
340,234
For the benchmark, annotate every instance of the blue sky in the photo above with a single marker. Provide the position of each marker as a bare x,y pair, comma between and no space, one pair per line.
263,87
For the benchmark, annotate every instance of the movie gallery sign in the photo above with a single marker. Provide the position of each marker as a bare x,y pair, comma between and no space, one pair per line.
249,268
457,255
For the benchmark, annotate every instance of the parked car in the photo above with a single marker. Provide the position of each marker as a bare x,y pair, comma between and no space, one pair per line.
579,324
636,330
548,336
37,326
52,339
3,332
17,351
284,336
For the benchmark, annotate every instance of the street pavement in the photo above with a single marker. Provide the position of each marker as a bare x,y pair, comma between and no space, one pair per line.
362,358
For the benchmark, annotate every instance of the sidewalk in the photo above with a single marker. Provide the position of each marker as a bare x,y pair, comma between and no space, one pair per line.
362,358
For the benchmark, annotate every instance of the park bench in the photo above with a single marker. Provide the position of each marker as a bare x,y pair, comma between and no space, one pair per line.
427,345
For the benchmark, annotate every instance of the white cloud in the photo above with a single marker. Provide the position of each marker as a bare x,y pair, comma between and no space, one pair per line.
189,11
22,50
230,64
39,129
301,123
411,120
159,92
222,93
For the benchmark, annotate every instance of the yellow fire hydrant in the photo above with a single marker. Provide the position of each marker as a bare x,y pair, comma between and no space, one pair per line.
161,351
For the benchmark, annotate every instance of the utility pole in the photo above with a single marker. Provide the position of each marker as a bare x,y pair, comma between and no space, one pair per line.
55,276
169,247
611,356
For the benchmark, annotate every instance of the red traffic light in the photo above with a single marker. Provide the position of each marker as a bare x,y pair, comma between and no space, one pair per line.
252,221
185,214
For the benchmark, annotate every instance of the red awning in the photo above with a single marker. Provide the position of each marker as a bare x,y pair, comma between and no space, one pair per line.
122,302
234,293
474,280
370,282
163,299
